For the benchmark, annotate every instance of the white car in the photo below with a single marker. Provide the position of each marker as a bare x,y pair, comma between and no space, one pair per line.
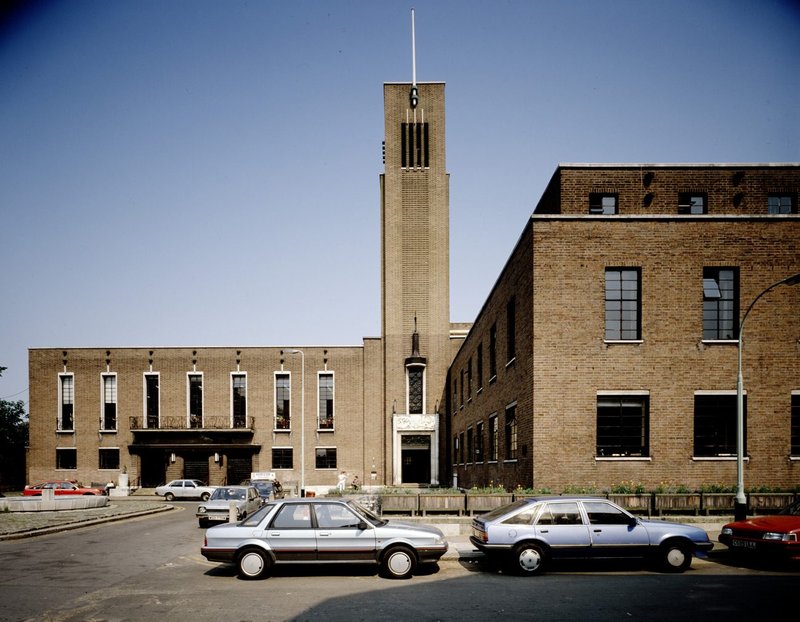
185,489
217,509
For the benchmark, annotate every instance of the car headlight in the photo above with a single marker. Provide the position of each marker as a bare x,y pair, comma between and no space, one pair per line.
201,509
780,537
726,531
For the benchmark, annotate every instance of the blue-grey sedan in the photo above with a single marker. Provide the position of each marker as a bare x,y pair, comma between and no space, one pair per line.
529,533
315,530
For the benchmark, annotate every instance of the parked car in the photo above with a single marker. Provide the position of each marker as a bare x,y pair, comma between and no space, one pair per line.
60,488
217,508
267,489
185,489
305,530
529,533
771,536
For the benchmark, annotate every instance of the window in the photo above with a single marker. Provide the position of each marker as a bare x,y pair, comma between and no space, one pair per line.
493,438
66,399
416,389
462,456
293,516
479,364
511,432
623,308
720,303
560,513
239,400
715,425
325,458
492,352
602,203
282,458
469,379
461,395
623,425
511,329
602,513
780,204
109,458
470,446
283,411
325,392
195,400
479,442
692,203
795,425
109,417
455,394
151,400
66,458
414,145
336,516
456,456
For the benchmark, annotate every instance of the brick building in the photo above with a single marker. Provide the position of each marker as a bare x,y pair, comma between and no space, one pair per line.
607,350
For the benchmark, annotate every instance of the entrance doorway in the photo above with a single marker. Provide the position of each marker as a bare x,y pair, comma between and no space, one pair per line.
415,456
153,468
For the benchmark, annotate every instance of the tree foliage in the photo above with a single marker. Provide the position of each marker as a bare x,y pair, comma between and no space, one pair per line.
13,439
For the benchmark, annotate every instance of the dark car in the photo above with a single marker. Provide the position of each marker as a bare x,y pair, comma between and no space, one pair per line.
317,531
771,536
528,533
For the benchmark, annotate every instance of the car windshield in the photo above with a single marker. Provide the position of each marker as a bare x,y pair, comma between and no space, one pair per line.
792,510
368,514
228,494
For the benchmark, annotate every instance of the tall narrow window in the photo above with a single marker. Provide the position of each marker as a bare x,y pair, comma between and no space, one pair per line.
493,438
283,414
780,204
195,400
720,303
622,425
692,203
455,449
239,400
479,441
66,399
715,418
601,203
151,401
416,389
479,364
795,424
470,445
414,152
511,432
325,412
461,395
469,379
492,352
511,328
109,420
623,308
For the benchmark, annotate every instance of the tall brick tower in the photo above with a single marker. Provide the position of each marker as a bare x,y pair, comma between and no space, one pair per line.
415,269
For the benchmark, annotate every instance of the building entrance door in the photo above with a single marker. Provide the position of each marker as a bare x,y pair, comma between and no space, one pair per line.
415,456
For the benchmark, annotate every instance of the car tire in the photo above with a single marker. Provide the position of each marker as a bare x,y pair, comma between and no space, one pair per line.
169,496
528,559
398,562
204,496
253,564
675,556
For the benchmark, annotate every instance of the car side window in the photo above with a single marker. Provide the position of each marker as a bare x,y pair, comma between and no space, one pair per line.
600,513
293,516
335,516
522,518
560,514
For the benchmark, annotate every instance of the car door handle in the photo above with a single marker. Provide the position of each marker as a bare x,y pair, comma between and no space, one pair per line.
545,530
598,530
275,534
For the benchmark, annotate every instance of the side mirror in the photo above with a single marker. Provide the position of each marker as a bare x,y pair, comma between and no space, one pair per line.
362,525
632,521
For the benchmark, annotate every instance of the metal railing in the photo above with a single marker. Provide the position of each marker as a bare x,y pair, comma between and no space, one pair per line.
180,422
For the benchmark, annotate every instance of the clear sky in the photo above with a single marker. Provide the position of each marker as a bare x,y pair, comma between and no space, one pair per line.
205,172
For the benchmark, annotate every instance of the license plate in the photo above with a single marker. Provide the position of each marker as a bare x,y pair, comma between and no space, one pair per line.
743,544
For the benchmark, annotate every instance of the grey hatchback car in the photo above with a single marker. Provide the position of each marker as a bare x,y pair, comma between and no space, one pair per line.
313,531
528,533
245,499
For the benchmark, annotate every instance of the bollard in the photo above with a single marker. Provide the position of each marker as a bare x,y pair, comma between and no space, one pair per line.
233,515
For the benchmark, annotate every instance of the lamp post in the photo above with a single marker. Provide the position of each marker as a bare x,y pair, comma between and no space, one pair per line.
740,503
302,419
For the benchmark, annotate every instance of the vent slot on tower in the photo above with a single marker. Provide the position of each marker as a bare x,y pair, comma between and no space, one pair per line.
414,145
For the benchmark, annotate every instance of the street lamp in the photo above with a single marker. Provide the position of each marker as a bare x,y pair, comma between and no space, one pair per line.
740,503
302,419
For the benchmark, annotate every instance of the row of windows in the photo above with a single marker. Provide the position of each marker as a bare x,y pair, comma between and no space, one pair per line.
195,416
623,429
623,304
688,203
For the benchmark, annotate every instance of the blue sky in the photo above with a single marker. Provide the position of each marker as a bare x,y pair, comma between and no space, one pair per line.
197,173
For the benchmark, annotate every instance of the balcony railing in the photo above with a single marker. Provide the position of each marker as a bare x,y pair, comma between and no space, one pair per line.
179,422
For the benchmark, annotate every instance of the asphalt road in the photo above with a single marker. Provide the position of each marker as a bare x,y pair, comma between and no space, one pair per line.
150,568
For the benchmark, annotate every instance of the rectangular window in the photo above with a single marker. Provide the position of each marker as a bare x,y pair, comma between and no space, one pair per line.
479,442
461,395
795,425
511,328
282,458
715,425
480,367
325,458
456,457
455,393
780,204
239,400
492,352
692,203
414,145
623,425
602,203
66,458
623,304
470,445
720,303
416,389
511,432
195,400
469,379
325,411
109,417
283,410
66,400
493,438
108,458
151,400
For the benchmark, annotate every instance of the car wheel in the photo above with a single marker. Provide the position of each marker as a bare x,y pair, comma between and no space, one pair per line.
169,496
398,563
675,556
204,496
253,564
528,559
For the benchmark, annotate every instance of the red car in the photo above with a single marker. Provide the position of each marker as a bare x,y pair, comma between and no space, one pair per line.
777,535
60,488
